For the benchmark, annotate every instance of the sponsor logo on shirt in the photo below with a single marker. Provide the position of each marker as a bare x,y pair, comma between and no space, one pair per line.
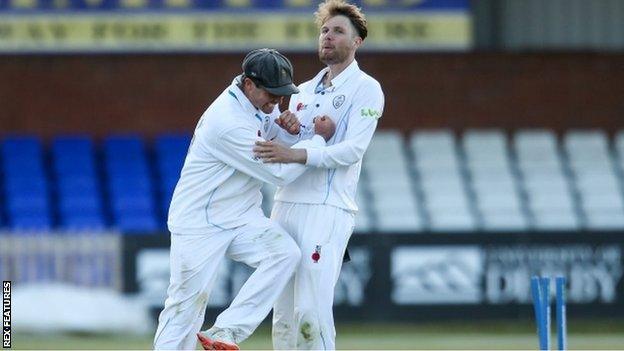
370,113
301,106
338,101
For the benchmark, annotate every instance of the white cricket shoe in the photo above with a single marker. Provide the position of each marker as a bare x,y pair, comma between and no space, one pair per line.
217,339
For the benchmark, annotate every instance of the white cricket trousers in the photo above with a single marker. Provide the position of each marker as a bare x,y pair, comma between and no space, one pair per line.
195,261
302,316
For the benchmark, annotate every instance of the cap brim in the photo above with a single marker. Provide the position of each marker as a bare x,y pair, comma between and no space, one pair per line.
284,90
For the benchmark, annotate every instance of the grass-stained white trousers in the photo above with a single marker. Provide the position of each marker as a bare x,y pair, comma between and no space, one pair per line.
302,316
195,261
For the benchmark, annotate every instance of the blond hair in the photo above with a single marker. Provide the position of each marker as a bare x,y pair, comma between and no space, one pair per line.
331,8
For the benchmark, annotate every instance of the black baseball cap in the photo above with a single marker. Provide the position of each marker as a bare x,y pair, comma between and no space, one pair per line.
271,70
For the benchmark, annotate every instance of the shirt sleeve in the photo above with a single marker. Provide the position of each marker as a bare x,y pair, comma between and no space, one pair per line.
277,133
307,131
360,123
235,147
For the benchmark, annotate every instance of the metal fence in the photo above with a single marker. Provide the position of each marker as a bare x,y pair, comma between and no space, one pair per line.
86,260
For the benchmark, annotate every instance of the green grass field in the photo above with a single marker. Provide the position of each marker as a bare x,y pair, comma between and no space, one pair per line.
490,335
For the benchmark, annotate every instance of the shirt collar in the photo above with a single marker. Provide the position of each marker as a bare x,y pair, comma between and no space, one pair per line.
236,93
338,80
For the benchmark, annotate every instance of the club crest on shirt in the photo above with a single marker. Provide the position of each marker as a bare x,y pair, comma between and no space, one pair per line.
316,255
338,101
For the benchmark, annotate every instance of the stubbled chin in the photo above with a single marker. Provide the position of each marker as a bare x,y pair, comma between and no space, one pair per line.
326,57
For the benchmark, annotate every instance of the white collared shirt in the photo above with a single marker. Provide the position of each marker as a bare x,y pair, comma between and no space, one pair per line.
355,102
219,186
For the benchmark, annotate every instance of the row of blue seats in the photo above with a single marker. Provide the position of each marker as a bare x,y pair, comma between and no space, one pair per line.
79,185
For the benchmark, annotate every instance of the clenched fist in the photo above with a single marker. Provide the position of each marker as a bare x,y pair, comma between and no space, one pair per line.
289,122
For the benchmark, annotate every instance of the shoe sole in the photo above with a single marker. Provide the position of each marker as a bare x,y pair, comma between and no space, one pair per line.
209,344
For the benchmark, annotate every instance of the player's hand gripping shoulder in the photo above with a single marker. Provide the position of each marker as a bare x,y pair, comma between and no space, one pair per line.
270,152
289,122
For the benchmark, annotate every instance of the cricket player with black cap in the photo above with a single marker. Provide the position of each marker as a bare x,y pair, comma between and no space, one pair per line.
215,210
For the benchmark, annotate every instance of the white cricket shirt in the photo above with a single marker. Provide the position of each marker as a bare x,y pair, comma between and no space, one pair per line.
355,102
219,186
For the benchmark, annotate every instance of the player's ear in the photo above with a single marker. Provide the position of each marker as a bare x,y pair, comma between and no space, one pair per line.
248,83
357,42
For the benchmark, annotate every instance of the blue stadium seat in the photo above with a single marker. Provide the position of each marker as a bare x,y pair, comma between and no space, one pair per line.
80,204
21,146
2,221
78,166
168,168
76,204
79,222
129,184
132,204
72,144
166,188
121,145
129,189
29,222
172,144
170,154
19,167
27,200
118,185
22,155
73,155
137,165
28,213
137,223
27,204
125,155
25,184
83,184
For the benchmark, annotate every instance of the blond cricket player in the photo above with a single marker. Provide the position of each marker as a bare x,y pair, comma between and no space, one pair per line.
318,208
215,211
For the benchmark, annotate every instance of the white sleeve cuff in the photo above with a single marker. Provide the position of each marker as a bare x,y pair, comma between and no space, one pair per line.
314,153
288,138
